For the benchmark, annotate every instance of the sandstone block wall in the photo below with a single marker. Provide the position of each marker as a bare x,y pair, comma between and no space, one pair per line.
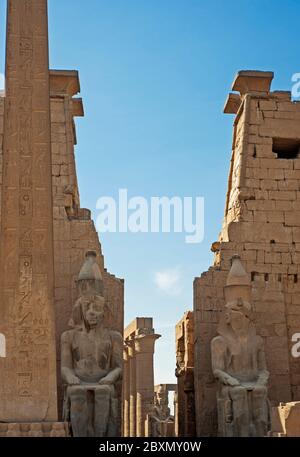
262,225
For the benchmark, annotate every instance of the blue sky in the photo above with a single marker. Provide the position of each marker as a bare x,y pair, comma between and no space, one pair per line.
154,78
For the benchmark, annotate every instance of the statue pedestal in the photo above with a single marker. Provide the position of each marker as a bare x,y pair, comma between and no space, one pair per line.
155,428
35,429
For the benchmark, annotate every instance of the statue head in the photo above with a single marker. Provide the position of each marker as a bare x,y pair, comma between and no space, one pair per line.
162,398
238,313
88,311
90,308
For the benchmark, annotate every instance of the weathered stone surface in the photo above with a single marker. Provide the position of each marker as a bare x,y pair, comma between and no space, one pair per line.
28,374
38,430
261,224
238,362
91,362
232,104
252,81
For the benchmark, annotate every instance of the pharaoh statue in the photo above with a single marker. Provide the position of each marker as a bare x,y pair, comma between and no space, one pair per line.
91,360
238,362
162,423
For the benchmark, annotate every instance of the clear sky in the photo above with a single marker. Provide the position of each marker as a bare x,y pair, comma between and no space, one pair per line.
154,78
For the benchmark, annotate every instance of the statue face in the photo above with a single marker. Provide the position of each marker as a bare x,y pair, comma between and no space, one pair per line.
236,314
162,399
238,320
93,310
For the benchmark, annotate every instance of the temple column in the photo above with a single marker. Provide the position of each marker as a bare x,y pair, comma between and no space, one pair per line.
176,425
132,389
144,350
126,393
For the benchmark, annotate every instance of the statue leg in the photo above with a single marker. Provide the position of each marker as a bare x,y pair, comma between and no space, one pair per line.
260,410
241,418
102,410
113,424
225,413
79,410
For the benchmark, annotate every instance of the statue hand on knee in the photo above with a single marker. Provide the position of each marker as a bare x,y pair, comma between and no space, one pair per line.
72,380
111,378
230,381
239,393
225,378
106,381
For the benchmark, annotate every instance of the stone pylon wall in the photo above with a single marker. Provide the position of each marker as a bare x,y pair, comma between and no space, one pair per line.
74,231
262,225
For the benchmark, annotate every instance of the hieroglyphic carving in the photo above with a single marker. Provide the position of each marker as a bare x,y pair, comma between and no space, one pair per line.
41,208
10,172
10,205
10,252
40,163
25,133
26,172
27,375
26,242
25,203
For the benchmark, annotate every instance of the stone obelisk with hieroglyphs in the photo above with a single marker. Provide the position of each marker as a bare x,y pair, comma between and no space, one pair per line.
28,374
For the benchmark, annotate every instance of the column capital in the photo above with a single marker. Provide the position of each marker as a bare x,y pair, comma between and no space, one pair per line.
129,342
144,342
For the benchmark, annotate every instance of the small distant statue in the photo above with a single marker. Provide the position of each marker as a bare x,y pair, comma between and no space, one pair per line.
161,422
161,404
91,360
238,362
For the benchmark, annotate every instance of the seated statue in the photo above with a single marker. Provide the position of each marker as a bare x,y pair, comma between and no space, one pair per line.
91,361
238,363
161,423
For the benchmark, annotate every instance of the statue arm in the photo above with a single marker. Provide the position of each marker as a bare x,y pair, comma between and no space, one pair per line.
116,360
67,370
218,348
263,375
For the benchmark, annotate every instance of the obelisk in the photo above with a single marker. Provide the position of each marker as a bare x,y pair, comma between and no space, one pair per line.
28,373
